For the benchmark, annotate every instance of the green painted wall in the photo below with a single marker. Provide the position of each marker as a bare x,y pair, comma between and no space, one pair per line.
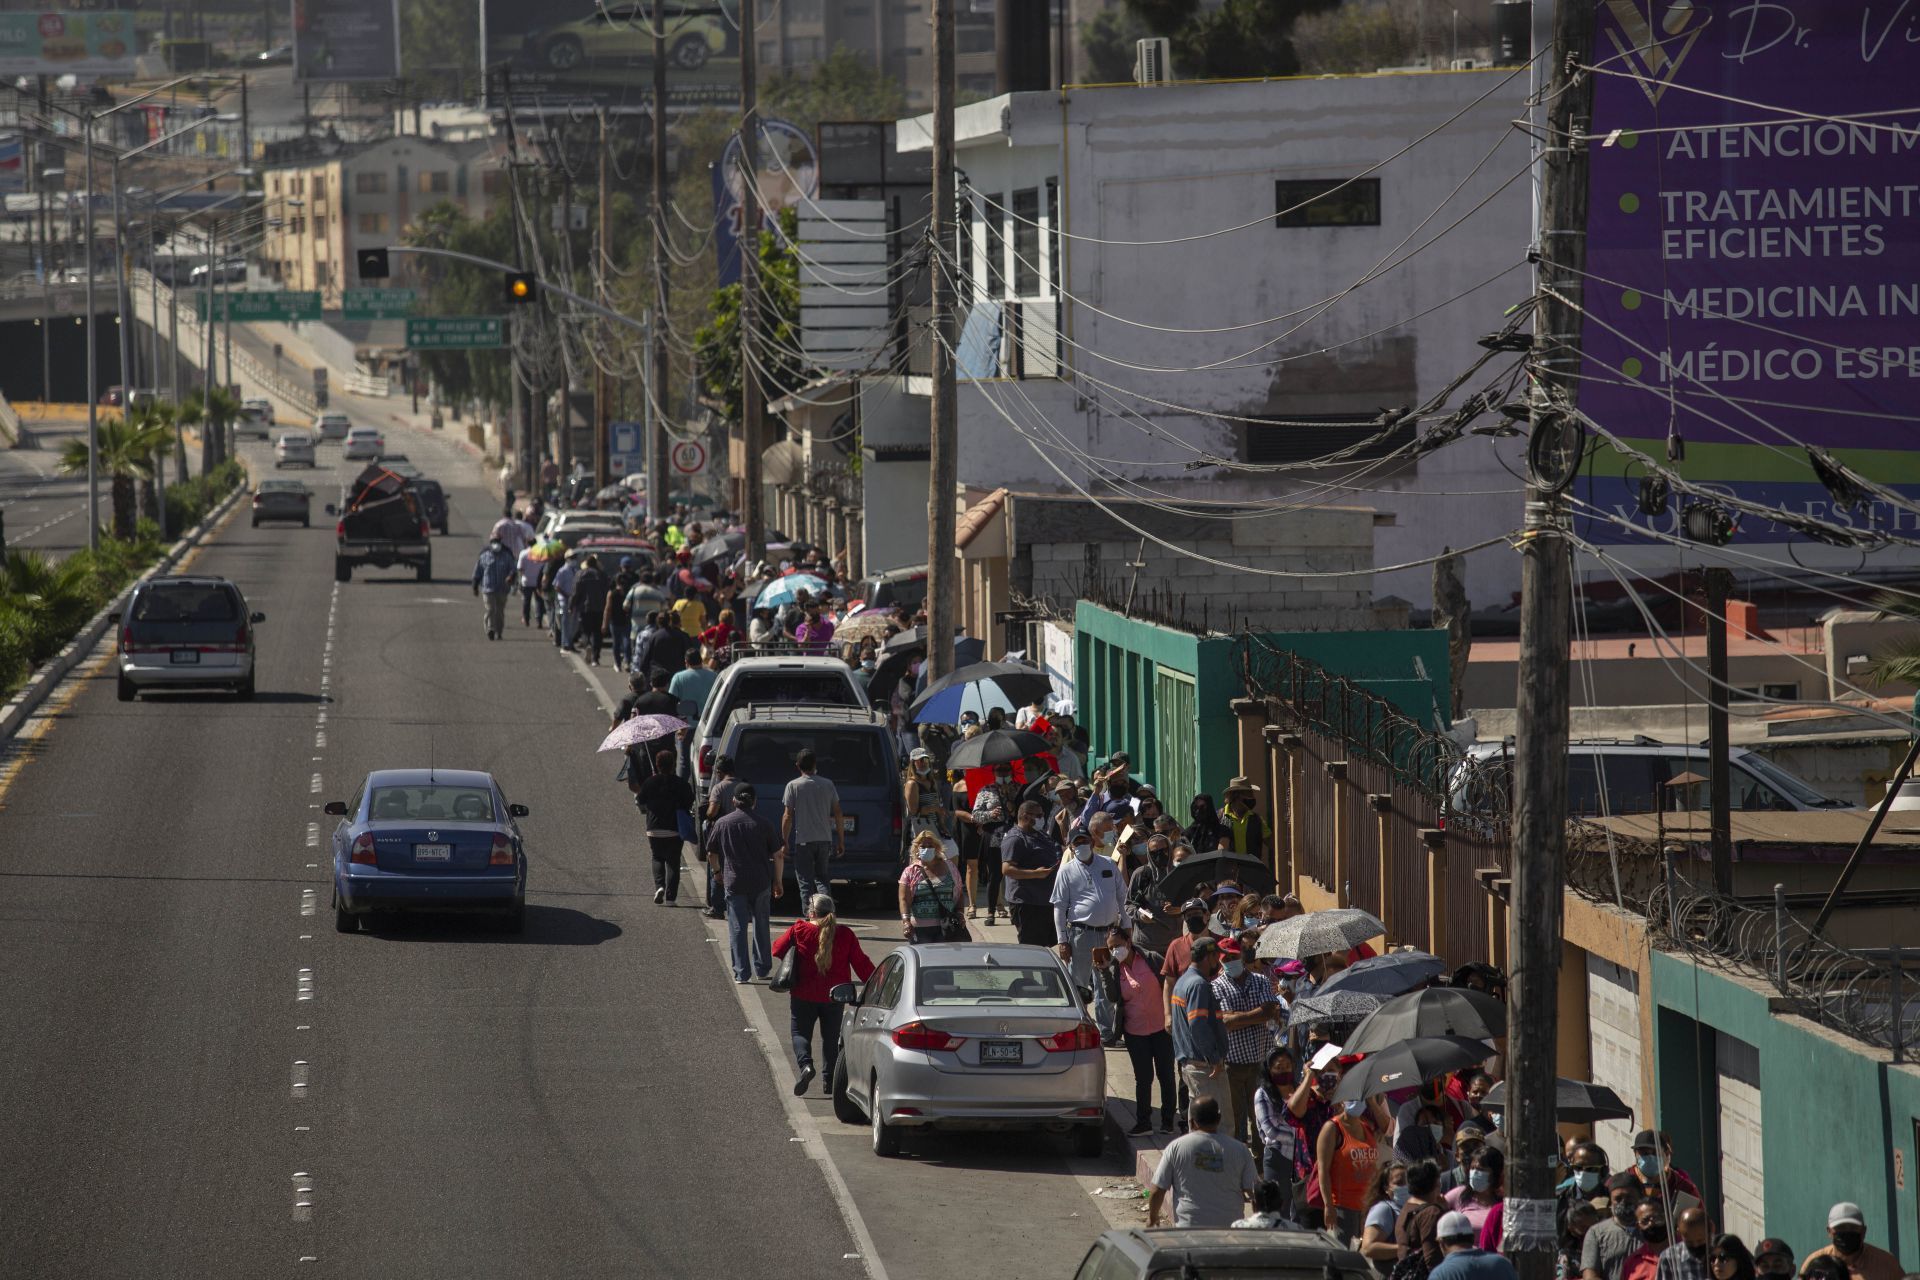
1834,1111
1115,659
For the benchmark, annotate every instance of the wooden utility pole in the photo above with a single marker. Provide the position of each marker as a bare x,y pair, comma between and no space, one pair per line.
943,465
1540,747
752,404
602,390
656,416
1719,782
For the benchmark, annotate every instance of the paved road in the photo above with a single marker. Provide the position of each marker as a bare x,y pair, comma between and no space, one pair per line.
45,510
200,1078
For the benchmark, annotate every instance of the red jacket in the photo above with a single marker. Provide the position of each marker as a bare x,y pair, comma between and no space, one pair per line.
847,962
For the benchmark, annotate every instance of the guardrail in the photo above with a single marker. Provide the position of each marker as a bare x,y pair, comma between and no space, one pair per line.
142,288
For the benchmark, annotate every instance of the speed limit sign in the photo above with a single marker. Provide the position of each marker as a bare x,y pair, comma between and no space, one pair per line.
688,457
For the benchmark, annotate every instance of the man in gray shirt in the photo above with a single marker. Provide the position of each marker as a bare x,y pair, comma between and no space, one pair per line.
1607,1245
811,829
1210,1175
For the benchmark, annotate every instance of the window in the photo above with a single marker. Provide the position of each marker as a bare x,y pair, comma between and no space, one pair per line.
1025,216
370,184
319,226
1015,985
980,85
297,225
1786,692
890,989
973,39
372,223
993,278
803,51
492,181
1326,202
1053,237
434,183
878,979
1303,438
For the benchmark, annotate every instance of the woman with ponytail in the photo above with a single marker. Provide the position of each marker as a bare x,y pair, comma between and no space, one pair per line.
830,954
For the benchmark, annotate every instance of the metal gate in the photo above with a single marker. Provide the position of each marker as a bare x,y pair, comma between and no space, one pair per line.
1176,738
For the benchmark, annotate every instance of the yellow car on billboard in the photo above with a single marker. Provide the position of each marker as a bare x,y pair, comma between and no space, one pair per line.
621,35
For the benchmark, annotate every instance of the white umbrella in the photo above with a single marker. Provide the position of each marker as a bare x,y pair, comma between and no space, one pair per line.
639,729
1318,933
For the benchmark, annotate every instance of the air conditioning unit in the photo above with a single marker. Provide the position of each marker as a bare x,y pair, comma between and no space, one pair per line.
1153,61
1463,64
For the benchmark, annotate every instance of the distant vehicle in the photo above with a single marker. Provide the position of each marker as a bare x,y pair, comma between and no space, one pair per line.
186,632
1610,776
142,398
610,547
555,523
332,426
261,406
363,443
282,500
821,681
382,525
231,271
1210,1253
621,36
294,449
278,56
251,423
894,587
428,840
433,501
113,395
399,464
856,750
969,1036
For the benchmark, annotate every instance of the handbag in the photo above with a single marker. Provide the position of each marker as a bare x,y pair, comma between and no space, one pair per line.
685,818
953,925
784,969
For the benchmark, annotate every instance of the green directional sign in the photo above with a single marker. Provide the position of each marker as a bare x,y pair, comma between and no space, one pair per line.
447,333
377,304
277,304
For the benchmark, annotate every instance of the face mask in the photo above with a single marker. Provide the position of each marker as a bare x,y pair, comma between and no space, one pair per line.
1623,1212
1236,968
1698,1250
1439,1133
1648,1165
1138,849
927,855
1588,1180
1655,1234
1496,1119
1355,1109
1003,778
1400,1194
1480,1180
1120,954
1084,852
1195,923
1849,1239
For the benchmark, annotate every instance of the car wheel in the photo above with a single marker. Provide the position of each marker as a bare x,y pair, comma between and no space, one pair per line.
690,52
843,1108
344,921
563,53
342,571
1090,1140
886,1138
424,572
245,688
125,690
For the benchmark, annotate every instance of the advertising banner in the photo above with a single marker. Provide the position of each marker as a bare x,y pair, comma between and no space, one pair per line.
570,53
99,43
788,172
1753,253
346,40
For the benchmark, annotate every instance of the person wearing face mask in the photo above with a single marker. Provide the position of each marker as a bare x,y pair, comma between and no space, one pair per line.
1087,896
1246,829
1279,1138
1133,985
930,891
1485,1187
1773,1259
1105,836
1389,1193
1153,924
1650,1220
1248,1010
1728,1259
1029,857
926,806
1199,1040
1847,1228
1653,1166
1417,1230
1579,1218
1686,1257
1179,956
1348,1154
993,812
1604,1252
1205,829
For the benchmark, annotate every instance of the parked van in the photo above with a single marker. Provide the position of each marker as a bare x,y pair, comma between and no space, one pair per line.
856,752
1609,776
780,681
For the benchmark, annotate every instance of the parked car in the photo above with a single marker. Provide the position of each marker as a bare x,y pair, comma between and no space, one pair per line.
1212,1253
556,524
433,501
855,749
282,500
1609,776
969,1036
294,449
332,426
896,586
186,631
363,443
428,840
821,681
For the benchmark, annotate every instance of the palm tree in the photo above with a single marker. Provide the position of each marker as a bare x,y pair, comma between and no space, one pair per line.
155,418
222,409
1898,661
51,596
127,453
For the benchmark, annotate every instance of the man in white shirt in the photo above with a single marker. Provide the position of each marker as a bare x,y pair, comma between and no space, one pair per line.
1087,895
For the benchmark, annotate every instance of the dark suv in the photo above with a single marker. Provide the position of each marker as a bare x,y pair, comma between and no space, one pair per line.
1206,1253
186,632
433,502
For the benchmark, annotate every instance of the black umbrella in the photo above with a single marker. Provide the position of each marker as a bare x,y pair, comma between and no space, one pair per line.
720,547
1211,868
1409,1063
995,746
1435,1011
1017,682
1346,1007
1574,1101
1393,974
890,671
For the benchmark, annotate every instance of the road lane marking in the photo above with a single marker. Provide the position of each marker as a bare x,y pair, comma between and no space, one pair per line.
303,985
301,1078
313,836
309,901
302,1198
313,787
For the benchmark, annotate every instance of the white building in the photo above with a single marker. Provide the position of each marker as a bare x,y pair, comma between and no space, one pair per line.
1212,300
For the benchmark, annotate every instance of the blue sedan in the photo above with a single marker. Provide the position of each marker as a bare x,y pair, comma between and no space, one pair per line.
428,840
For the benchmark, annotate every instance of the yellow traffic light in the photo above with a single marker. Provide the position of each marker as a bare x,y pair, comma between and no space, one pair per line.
519,288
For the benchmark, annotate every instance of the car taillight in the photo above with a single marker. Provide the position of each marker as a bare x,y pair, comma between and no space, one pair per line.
918,1035
502,855
240,636
256,499
1084,1036
340,529
706,760
363,850
425,528
126,638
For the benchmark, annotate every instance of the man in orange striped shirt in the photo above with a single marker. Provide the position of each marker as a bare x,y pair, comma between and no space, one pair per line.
1199,1036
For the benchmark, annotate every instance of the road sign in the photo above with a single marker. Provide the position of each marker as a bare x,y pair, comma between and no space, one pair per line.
281,305
377,304
448,333
687,457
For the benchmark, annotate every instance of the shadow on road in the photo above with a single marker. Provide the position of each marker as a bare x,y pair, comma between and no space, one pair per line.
546,927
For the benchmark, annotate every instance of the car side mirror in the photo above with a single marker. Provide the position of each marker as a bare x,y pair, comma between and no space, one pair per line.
518,811
257,617
338,808
845,993
331,511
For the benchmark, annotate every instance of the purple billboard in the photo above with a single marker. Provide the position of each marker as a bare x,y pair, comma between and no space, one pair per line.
1754,253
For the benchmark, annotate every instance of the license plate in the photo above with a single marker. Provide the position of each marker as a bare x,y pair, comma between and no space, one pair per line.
432,852
1000,1052
849,824
186,657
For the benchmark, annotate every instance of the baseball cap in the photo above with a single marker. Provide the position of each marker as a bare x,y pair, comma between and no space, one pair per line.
1064,784
1079,835
1469,1133
1773,1246
1456,1226
1230,947
1204,948
1845,1214
1291,969
1118,757
1192,904
743,794
920,753
1146,792
1646,1140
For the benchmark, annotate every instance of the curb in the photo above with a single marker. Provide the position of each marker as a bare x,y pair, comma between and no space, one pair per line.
41,684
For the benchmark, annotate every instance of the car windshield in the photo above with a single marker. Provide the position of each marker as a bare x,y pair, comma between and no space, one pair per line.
187,602
993,984
282,486
432,802
1780,780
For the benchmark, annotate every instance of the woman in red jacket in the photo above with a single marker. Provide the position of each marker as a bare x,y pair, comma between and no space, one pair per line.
829,956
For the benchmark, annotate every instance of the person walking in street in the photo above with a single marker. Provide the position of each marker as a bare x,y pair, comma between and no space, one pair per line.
830,954
930,891
719,803
751,871
666,799
589,605
1464,1260
533,601
615,618
668,652
1199,1039
1247,1011
1133,985
1087,896
1209,1175
812,829
925,795
1028,859
563,579
693,684
1847,1229
493,577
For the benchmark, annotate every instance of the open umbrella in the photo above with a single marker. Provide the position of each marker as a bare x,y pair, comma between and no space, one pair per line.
720,547
1016,683
1409,1063
1318,933
1333,1007
1574,1102
1435,1011
1393,974
785,590
1185,876
639,729
892,669
873,623
995,746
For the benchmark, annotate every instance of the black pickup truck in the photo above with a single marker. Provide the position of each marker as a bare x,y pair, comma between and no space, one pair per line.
382,525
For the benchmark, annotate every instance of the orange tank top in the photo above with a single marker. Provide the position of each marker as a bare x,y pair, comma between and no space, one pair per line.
1354,1161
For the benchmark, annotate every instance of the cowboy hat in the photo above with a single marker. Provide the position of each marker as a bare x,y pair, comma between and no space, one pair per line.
1241,783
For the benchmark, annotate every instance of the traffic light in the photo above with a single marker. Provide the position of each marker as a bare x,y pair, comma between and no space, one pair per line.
373,264
519,288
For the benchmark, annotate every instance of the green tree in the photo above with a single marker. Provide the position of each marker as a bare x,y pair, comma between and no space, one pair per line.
440,49
1108,41
129,451
841,86
1359,37
717,343
1898,661
1237,38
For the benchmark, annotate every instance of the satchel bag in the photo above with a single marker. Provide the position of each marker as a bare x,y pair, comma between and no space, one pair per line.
785,968
953,925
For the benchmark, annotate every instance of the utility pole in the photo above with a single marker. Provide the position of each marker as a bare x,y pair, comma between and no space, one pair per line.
1546,604
752,408
93,371
602,397
662,281
1719,783
943,469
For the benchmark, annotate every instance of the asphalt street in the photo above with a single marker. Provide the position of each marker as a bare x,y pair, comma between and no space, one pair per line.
45,510
201,1078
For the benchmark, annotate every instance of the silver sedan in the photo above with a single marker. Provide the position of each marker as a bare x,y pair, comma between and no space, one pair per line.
968,1035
